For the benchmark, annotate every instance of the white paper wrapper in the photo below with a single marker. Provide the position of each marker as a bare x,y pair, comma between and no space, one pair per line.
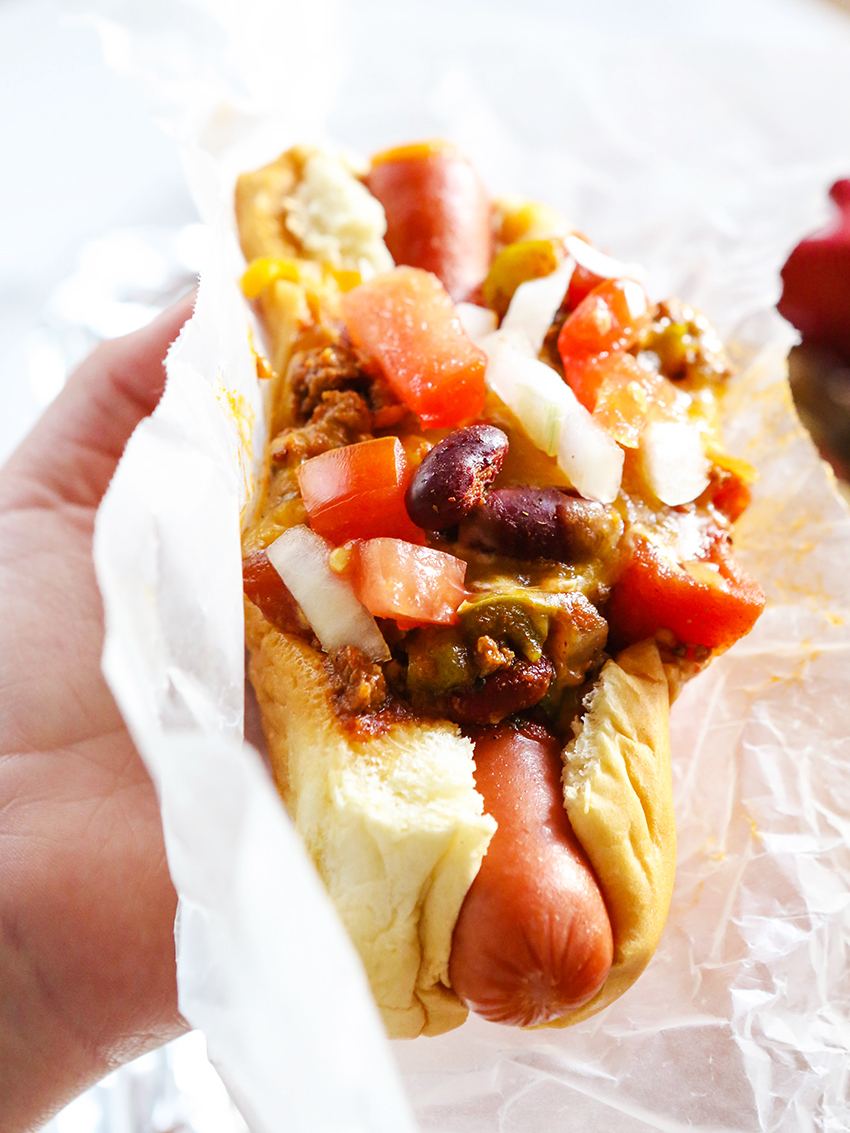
682,149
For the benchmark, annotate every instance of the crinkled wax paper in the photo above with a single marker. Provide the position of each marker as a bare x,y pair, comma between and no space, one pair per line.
698,139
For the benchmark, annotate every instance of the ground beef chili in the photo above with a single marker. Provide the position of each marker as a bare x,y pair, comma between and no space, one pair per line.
682,345
315,373
342,417
541,562
359,684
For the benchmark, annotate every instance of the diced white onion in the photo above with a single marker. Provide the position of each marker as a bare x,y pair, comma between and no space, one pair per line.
530,389
635,297
589,455
553,418
606,267
336,615
477,321
535,304
674,461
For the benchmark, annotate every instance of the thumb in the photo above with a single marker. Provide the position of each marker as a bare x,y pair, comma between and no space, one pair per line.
72,451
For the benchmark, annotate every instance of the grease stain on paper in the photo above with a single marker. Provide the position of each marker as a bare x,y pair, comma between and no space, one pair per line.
241,414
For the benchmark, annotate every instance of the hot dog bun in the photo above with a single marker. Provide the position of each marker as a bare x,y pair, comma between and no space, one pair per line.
303,211
398,831
619,797
393,823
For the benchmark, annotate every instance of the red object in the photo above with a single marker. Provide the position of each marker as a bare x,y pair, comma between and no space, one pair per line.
533,939
357,492
653,594
438,213
406,322
407,582
267,590
732,496
582,282
605,323
625,394
816,281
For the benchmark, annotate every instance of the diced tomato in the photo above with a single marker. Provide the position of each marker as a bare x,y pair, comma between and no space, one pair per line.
608,318
267,590
582,282
711,602
625,395
406,322
409,583
585,377
732,495
357,492
731,478
606,322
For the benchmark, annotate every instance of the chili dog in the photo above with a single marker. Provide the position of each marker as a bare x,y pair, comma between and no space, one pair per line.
473,583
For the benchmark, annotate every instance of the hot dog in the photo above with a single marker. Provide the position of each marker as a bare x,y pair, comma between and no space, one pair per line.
438,213
533,939
475,579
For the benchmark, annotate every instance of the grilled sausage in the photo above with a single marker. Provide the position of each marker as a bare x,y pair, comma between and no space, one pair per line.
438,213
533,939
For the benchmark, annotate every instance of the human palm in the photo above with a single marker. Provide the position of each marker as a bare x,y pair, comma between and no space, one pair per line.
87,975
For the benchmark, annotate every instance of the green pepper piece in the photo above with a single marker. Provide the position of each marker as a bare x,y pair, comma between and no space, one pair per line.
515,618
674,348
517,264
438,660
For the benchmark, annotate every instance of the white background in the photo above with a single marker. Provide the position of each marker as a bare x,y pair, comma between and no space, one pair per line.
79,157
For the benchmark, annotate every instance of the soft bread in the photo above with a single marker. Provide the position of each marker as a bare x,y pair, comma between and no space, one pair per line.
393,823
619,798
260,201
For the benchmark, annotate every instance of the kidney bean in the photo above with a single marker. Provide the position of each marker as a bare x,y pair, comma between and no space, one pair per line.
540,523
454,475
502,693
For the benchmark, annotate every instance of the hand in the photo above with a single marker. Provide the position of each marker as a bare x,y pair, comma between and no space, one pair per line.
87,973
